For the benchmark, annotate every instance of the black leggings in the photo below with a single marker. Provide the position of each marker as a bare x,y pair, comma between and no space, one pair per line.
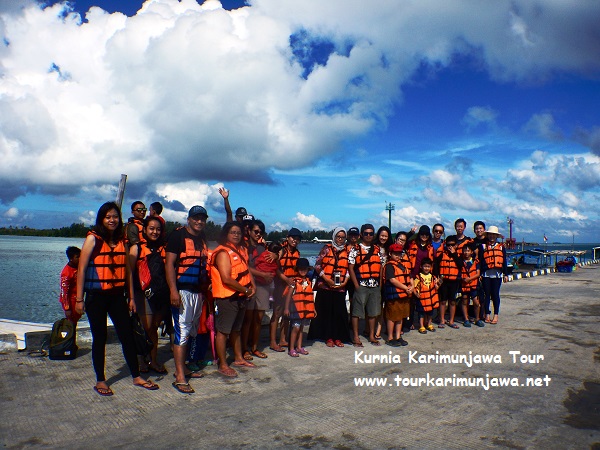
97,306
491,288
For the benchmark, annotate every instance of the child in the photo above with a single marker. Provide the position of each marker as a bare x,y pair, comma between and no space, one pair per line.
470,281
269,263
426,291
397,290
68,285
301,309
448,266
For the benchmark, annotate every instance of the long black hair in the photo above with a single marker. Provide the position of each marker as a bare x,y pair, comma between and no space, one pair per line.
99,227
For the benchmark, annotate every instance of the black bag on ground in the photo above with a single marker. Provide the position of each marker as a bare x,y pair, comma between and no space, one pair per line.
143,344
62,340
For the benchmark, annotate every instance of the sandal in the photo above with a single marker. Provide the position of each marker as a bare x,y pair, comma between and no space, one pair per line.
104,392
453,325
338,343
293,354
228,372
329,343
357,344
243,364
302,351
184,388
375,343
423,330
441,325
248,356
259,354
148,385
431,328
277,349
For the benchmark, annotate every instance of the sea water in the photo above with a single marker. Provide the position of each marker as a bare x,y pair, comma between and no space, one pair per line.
30,269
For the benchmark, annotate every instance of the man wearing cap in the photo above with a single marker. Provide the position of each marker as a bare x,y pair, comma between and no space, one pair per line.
365,263
288,256
240,213
187,278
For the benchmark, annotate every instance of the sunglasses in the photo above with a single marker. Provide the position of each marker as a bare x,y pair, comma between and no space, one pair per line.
368,233
141,209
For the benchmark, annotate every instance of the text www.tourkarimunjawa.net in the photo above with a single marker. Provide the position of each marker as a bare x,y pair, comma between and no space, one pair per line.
485,383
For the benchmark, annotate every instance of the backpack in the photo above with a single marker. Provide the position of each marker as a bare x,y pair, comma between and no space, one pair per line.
62,340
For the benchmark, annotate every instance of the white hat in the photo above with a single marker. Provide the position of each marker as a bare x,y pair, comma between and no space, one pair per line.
493,230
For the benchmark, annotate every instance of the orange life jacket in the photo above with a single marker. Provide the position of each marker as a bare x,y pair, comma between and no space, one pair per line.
460,245
493,255
140,226
303,301
402,274
191,264
106,269
238,257
335,261
468,272
367,268
288,259
448,267
428,295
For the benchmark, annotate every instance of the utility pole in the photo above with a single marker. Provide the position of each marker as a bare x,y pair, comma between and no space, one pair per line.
121,191
389,207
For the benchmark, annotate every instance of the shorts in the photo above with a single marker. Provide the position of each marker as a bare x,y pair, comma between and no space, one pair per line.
278,297
473,293
366,299
154,306
229,313
260,300
448,290
297,323
187,316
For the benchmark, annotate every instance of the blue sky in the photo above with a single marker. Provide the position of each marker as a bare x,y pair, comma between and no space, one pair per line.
314,114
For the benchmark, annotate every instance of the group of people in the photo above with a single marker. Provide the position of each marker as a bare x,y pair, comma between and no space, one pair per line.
178,280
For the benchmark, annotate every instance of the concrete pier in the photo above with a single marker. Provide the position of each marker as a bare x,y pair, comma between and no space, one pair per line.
539,388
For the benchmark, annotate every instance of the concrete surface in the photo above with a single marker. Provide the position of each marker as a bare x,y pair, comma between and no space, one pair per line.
313,401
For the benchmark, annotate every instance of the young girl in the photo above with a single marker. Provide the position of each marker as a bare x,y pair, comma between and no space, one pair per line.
470,281
426,291
397,288
149,288
103,275
299,307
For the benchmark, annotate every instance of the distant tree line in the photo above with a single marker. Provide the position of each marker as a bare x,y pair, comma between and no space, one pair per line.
212,231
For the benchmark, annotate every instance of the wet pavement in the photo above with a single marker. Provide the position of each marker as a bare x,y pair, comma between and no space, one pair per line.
548,337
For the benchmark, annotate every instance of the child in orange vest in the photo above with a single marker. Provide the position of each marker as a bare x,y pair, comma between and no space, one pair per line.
68,285
299,307
426,291
470,282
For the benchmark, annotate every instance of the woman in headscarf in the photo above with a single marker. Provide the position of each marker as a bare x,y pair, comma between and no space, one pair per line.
331,323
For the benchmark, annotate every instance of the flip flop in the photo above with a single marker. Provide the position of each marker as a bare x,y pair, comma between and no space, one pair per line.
453,325
149,385
358,344
259,354
277,349
441,325
243,364
228,372
184,388
104,392
375,343
248,356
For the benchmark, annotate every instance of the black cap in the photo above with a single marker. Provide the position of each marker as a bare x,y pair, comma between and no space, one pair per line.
353,230
366,226
425,230
197,211
294,232
241,211
302,263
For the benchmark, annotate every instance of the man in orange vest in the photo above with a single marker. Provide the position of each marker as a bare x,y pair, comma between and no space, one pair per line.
187,278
